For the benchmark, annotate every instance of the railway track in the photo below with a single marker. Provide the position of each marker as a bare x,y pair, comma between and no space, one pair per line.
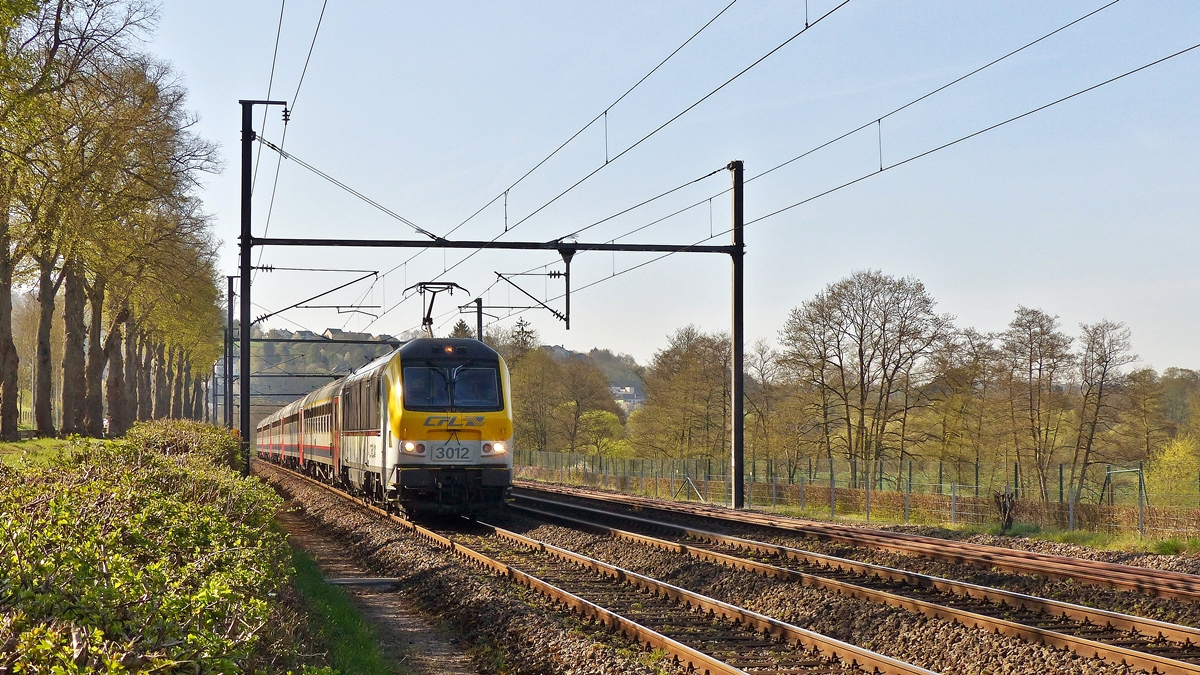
1154,646
704,634
1161,583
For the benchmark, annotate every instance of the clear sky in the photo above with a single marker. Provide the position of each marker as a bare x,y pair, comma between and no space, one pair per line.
1088,210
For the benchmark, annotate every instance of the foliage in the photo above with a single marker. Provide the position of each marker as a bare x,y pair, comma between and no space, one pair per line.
687,398
119,558
1171,475
174,438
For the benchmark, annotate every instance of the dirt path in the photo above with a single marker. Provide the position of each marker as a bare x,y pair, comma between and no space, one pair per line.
405,636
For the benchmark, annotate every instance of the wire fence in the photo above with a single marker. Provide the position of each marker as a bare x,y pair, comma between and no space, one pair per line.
1113,498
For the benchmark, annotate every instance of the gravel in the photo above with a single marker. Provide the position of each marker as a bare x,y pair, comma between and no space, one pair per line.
935,644
1172,610
504,627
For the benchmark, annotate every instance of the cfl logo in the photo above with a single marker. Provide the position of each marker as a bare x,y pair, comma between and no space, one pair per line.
453,421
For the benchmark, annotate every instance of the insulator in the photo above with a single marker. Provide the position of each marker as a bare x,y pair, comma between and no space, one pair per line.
287,115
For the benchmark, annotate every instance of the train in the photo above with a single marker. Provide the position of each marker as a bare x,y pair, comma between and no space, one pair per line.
425,429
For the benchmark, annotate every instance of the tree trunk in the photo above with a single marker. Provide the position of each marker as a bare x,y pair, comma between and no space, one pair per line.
177,386
43,405
73,383
197,400
162,397
132,380
94,401
145,385
115,385
9,386
187,388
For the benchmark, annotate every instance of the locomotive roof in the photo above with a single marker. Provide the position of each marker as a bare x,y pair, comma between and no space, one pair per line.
459,347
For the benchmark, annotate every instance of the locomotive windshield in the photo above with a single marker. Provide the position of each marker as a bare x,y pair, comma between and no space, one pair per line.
452,386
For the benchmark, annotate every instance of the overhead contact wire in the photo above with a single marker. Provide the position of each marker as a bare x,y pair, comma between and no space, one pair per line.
641,140
900,163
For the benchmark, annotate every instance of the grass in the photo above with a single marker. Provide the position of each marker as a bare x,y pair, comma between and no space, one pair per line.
353,644
1103,541
37,450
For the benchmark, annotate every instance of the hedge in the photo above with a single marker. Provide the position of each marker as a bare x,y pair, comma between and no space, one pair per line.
146,554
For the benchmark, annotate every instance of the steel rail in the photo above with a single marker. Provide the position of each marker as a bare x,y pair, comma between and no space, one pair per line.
695,659
1161,583
844,652
1084,647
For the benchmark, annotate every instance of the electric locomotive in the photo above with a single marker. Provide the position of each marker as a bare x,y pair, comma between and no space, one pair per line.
427,428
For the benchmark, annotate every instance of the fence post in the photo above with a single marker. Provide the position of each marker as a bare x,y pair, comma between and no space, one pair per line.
907,492
867,492
940,484
1141,500
832,492
1016,480
774,496
1060,482
954,502
976,480
802,477
1071,509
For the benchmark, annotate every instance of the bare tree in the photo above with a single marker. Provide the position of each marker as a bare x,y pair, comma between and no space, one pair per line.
1039,360
1105,349
864,341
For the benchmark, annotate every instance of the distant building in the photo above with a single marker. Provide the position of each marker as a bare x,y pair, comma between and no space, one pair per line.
628,398
338,334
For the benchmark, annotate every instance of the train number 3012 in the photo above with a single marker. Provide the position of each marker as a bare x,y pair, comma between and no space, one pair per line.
451,453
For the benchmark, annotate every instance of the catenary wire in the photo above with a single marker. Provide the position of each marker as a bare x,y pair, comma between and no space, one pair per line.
634,145
593,120
894,165
841,136
270,85
920,98
283,137
347,188
564,144
980,131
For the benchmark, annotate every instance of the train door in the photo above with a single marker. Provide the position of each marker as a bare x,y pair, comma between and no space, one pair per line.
300,434
335,421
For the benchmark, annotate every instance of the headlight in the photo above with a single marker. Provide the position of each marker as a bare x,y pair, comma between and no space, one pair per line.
498,448
414,448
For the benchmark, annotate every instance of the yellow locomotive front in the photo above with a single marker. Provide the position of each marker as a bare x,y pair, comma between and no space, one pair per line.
449,422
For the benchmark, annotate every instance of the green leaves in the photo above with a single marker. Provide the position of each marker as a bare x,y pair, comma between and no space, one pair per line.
143,555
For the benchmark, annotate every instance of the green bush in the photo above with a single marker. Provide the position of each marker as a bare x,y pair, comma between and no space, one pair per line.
181,437
140,555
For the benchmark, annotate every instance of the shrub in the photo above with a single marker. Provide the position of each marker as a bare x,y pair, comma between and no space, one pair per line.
182,437
142,554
